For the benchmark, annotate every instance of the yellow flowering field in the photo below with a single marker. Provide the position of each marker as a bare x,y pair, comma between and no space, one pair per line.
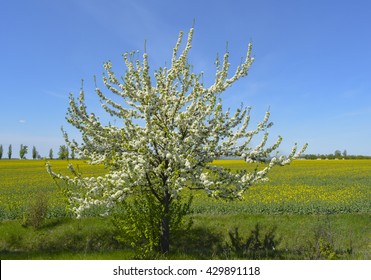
23,181
304,187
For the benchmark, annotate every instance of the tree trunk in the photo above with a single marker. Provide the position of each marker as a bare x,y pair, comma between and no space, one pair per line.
165,226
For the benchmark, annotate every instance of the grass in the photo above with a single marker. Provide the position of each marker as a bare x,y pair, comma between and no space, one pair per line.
299,233
93,238
321,210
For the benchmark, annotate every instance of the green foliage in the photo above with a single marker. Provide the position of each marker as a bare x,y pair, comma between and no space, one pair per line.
139,222
1,151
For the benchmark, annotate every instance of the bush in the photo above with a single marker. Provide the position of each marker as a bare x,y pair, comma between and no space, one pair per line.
323,245
138,223
36,212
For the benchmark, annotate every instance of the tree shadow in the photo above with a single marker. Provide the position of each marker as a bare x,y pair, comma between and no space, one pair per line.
258,244
198,243
53,223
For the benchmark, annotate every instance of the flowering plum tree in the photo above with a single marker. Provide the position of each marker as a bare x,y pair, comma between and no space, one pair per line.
173,127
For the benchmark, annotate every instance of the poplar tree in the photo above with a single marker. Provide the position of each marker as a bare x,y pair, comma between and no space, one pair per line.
10,151
34,152
23,151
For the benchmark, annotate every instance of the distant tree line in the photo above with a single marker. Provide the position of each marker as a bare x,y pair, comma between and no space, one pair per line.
63,152
336,155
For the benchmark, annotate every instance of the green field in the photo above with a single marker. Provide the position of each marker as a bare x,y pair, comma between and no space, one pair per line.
321,209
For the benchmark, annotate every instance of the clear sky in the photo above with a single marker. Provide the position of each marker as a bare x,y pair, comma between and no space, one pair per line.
312,62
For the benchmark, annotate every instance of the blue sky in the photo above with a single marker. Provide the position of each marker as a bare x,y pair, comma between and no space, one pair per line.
312,62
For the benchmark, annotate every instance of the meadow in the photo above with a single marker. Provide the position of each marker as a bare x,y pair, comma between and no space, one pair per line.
308,210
